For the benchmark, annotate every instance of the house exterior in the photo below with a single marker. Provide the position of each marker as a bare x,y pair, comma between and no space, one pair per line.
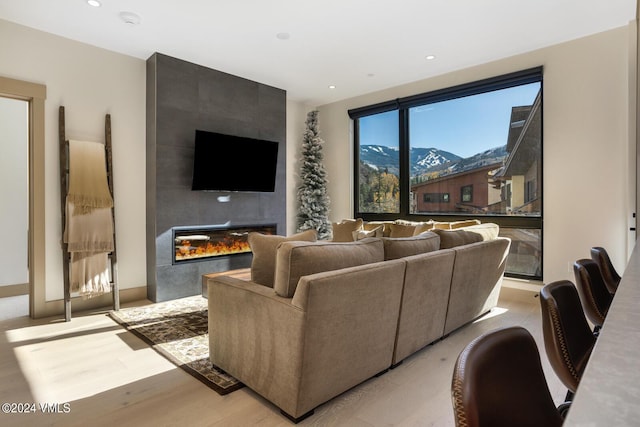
465,192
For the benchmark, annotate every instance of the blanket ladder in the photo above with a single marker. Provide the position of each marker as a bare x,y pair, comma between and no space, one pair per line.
64,187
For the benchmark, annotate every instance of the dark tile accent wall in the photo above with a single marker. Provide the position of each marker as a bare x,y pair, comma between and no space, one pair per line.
183,97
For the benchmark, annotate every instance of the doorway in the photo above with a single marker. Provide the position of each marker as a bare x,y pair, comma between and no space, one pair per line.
14,214
20,95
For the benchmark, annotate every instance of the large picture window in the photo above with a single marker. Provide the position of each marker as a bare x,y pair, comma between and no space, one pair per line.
472,151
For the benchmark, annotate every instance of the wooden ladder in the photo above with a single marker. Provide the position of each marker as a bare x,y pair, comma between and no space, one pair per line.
64,188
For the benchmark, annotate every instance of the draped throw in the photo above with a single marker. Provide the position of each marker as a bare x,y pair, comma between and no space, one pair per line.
89,219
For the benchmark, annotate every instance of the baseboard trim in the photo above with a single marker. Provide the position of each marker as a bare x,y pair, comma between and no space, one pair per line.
104,302
522,284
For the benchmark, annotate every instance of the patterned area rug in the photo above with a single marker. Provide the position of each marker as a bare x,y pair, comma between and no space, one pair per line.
178,330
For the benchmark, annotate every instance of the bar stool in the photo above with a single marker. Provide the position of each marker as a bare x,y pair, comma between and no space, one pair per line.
568,338
609,273
594,295
498,381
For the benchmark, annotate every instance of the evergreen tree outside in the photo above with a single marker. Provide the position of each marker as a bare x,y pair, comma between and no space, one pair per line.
313,200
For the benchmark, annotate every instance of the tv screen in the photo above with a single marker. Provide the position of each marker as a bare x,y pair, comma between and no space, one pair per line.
233,163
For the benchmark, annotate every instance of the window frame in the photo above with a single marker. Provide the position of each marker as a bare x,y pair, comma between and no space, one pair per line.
505,81
463,193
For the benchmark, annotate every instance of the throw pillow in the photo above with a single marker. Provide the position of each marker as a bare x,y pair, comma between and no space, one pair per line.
264,246
441,225
422,227
343,230
363,234
464,223
402,230
371,225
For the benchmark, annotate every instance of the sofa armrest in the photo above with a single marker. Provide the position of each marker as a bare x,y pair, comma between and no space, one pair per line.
256,336
478,270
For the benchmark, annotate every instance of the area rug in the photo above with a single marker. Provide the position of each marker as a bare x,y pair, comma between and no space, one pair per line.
178,330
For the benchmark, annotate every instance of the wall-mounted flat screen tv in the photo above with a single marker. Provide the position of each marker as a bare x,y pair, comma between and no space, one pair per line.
233,163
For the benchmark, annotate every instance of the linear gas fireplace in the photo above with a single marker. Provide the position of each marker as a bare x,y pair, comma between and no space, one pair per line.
206,242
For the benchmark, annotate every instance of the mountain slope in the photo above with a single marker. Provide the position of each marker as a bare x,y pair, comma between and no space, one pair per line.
426,160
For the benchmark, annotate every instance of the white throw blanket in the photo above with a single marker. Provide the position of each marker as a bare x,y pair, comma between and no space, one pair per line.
89,220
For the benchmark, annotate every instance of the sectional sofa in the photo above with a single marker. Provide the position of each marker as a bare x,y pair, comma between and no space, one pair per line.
318,318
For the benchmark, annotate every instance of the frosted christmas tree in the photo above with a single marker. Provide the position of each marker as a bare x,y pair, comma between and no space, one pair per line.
313,212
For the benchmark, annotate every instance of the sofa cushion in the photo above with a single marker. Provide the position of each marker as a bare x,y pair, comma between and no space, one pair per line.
297,259
343,230
264,248
466,235
400,247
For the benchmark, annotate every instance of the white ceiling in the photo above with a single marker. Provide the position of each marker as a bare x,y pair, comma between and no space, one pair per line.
359,46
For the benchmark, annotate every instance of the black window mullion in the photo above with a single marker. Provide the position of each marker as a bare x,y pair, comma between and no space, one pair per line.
403,117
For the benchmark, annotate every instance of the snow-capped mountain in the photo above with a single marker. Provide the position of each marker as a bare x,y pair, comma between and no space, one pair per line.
424,160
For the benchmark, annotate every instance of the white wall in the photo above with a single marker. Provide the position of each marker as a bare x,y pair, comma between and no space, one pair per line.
587,140
89,82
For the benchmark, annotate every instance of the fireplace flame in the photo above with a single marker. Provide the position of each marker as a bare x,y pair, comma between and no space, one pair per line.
227,246
194,243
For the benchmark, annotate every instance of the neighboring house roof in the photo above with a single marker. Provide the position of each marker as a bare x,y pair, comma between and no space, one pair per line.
524,141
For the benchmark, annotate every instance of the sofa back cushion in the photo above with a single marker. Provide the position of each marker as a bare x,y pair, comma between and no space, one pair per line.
464,236
297,259
263,246
400,247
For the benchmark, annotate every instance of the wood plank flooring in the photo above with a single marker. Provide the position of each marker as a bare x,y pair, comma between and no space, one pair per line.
109,377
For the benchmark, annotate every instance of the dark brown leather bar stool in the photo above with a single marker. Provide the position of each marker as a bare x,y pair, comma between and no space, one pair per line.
594,295
609,273
498,381
568,338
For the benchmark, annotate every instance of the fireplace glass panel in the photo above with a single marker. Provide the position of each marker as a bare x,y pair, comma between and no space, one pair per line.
199,243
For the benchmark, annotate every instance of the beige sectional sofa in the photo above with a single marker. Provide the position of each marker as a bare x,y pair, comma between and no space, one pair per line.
338,313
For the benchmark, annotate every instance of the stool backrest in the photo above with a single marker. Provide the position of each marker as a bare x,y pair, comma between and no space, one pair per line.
498,381
568,339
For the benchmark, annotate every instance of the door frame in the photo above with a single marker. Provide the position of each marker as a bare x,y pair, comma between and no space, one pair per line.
35,94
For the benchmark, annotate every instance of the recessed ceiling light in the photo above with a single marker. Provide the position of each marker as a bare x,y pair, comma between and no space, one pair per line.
332,86
283,36
94,3
430,57
130,18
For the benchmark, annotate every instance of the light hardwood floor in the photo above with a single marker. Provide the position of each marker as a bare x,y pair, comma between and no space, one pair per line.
109,377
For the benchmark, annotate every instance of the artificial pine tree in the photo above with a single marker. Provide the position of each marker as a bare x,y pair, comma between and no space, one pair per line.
313,213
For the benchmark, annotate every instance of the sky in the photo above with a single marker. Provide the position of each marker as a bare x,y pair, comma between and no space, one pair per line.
463,126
